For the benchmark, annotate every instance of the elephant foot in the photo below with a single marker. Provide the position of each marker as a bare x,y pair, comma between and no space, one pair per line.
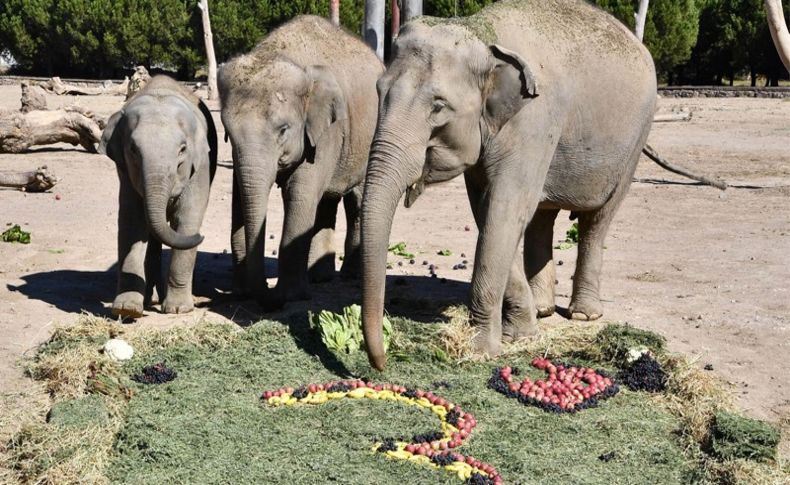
128,305
586,310
519,323
546,311
484,343
176,302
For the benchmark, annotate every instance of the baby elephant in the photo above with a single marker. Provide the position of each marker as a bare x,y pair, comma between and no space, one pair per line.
164,144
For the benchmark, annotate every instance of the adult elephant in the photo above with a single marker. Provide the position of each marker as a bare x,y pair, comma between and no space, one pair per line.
300,110
542,105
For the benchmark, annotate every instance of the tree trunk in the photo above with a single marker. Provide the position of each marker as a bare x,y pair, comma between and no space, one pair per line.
211,59
395,25
39,180
334,11
411,9
641,17
374,26
56,86
20,131
778,27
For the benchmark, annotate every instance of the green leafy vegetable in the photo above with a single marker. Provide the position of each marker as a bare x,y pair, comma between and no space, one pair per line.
399,249
16,234
571,238
342,333
445,252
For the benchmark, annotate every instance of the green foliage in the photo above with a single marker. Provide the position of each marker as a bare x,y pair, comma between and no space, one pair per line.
399,249
85,411
614,342
734,40
671,28
342,333
571,238
454,8
734,436
16,234
444,252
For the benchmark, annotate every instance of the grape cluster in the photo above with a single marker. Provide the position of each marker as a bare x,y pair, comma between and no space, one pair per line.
479,479
387,445
427,437
645,374
155,374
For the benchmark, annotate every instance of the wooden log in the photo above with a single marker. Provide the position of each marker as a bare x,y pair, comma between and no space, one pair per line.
21,131
667,117
39,180
56,86
652,154
33,98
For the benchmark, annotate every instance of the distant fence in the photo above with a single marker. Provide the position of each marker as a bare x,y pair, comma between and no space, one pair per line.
667,91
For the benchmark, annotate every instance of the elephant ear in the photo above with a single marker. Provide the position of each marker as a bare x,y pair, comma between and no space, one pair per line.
511,84
211,135
327,109
111,143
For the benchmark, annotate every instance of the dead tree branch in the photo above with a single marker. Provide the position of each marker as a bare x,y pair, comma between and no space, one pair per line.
39,180
652,154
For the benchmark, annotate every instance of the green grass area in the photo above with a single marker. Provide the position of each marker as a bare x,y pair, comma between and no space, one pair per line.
209,425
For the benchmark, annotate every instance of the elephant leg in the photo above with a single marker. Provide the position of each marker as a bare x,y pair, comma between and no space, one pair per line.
352,203
238,243
321,262
518,318
538,260
132,242
187,219
302,194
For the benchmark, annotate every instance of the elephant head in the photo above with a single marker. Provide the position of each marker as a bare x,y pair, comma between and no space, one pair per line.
277,114
443,102
159,142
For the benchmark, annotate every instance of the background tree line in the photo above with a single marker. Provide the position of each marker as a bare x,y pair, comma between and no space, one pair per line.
692,41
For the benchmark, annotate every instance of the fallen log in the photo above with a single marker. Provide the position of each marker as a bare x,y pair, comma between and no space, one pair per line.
76,126
56,86
652,154
39,180
33,98
667,117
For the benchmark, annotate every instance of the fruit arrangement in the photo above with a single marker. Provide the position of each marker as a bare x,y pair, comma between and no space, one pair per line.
568,389
433,449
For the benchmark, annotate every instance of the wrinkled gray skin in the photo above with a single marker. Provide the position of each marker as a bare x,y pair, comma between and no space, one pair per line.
542,105
299,110
164,145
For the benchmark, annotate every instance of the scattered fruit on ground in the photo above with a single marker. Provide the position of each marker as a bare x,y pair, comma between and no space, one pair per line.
645,374
432,448
567,390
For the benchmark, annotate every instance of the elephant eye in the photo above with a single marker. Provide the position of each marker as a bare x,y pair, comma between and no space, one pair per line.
183,149
438,105
283,129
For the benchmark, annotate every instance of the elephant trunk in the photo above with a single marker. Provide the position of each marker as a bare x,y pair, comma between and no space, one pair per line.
392,168
256,173
158,187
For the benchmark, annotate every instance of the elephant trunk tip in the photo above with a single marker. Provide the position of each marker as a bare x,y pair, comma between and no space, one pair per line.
377,360
178,241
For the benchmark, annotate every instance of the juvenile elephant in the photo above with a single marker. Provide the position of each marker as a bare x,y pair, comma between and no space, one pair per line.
164,145
542,105
300,110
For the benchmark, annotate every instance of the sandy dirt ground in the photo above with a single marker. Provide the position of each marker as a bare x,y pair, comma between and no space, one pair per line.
710,270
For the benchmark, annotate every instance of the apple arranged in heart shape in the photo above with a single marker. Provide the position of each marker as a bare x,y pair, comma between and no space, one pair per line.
431,449
568,388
